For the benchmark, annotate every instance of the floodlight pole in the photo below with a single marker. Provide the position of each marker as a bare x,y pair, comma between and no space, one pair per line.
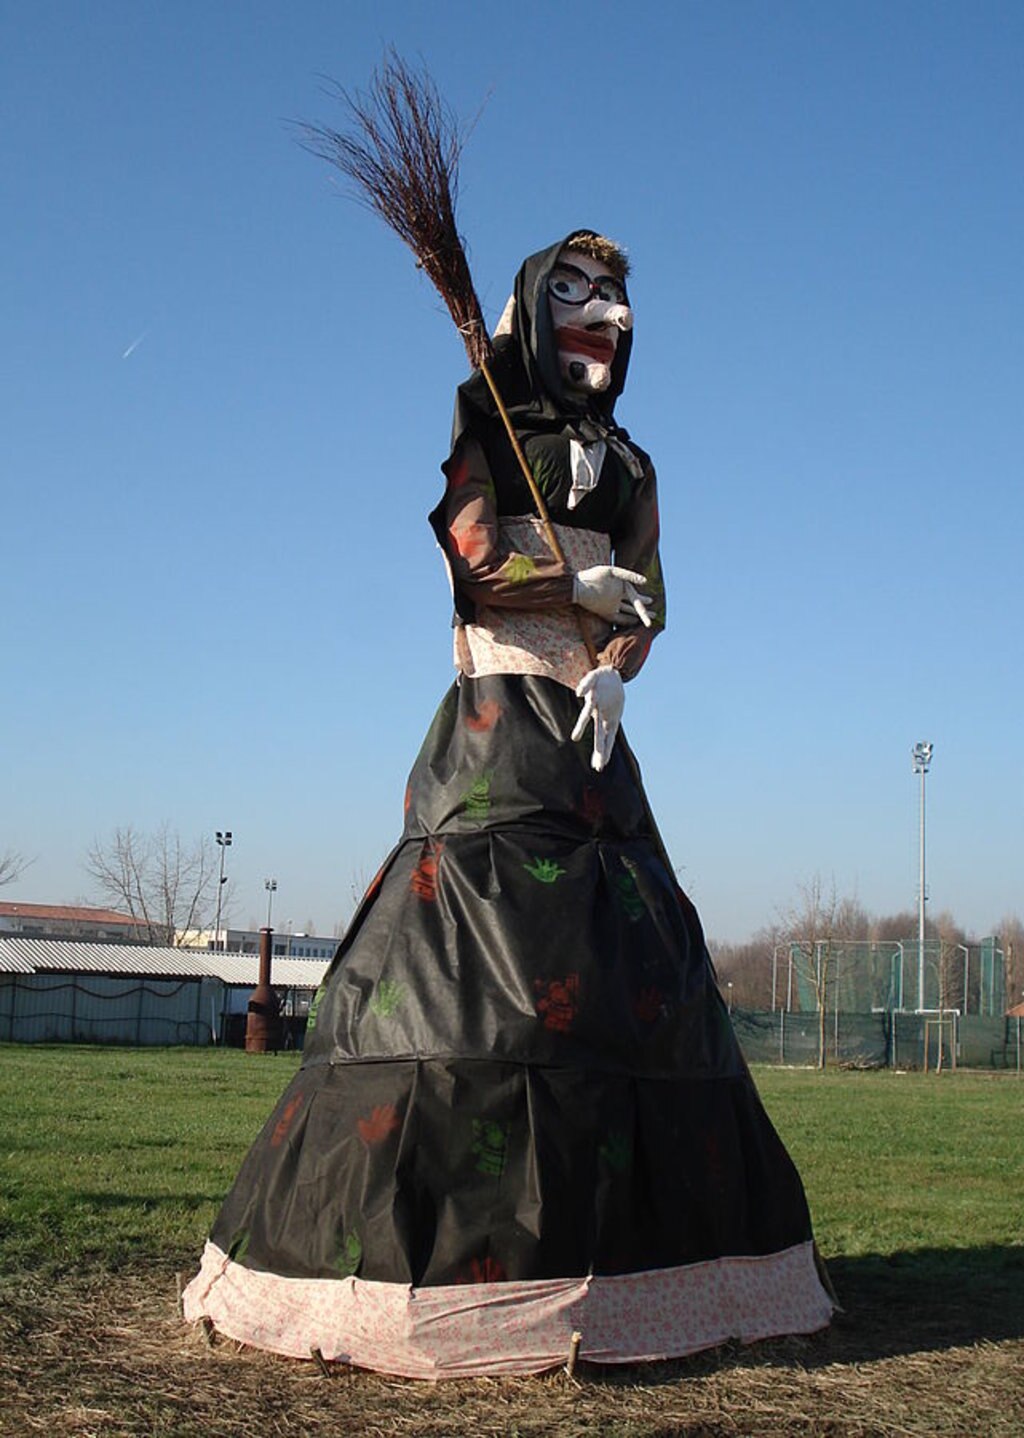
922,757
223,842
270,885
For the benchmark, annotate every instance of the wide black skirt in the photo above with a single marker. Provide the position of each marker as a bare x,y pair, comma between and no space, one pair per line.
519,1065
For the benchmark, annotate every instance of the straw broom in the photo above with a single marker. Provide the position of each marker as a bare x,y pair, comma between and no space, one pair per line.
402,155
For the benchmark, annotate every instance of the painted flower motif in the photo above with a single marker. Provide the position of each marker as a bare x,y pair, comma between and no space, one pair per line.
487,714
546,871
558,1004
351,1255
490,1142
374,884
424,877
518,568
386,998
485,1270
592,806
382,1121
472,540
715,1165
616,1152
314,1007
284,1123
648,1005
459,473
239,1246
476,801
628,894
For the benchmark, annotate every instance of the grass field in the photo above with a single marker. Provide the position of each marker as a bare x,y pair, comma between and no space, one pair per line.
113,1163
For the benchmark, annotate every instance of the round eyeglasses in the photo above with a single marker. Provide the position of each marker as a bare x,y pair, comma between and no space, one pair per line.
570,286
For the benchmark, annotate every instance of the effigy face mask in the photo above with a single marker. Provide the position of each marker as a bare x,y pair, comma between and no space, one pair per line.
589,309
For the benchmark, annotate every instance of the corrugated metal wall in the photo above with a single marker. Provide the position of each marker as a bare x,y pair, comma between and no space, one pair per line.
93,1008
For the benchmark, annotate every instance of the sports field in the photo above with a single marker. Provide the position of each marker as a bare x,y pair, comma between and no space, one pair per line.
113,1162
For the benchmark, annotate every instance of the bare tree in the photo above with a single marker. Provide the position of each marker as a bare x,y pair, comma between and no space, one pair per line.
1011,938
12,866
166,885
891,928
748,968
812,928
949,976
359,886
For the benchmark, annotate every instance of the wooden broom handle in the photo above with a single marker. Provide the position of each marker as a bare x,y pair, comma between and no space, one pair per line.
538,499
559,553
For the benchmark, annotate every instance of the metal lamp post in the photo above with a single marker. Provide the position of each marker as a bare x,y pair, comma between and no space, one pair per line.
992,982
967,966
775,973
271,886
922,757
223,842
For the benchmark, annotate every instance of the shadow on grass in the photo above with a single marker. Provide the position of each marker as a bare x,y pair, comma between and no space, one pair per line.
894,1306
144,1203
928,1298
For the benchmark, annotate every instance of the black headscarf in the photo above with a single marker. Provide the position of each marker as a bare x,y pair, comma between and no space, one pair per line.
544,414
526,370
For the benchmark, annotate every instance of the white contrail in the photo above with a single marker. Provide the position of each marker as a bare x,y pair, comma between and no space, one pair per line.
135,344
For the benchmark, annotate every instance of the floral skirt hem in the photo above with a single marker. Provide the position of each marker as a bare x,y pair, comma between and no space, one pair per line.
479,1329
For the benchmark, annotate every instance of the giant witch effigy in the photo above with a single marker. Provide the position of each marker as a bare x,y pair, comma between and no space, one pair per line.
522,1113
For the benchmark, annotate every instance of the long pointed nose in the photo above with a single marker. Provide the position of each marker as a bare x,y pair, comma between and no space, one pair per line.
600,312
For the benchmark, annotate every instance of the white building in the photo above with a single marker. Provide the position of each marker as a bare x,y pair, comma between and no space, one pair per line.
247,941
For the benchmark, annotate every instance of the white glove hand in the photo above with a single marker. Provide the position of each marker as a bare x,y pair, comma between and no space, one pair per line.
604,698
609,591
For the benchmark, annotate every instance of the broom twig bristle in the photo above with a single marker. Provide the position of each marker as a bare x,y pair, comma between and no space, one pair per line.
401,153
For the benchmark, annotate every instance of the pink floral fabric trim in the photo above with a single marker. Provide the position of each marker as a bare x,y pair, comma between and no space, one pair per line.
533,641
470,1330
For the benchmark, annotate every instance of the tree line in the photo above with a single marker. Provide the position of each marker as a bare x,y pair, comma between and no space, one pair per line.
166,883
810,935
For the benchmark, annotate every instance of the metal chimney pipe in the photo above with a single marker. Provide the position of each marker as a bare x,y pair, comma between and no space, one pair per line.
263,1019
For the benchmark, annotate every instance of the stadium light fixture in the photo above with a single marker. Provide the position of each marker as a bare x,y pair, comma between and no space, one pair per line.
922,757
223,838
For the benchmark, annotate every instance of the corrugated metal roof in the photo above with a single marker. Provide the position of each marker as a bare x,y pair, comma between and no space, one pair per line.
29,956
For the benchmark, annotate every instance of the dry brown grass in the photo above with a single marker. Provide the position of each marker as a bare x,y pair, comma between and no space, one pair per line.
107,1355
113,1165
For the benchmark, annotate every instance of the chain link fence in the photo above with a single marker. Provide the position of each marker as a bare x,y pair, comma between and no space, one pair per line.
883,1039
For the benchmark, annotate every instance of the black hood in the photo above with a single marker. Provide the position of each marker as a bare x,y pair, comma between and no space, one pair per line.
533,332
526,371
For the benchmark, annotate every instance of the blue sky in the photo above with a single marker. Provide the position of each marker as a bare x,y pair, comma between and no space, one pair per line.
227,391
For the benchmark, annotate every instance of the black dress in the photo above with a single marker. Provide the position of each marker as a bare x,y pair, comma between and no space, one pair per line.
522,1110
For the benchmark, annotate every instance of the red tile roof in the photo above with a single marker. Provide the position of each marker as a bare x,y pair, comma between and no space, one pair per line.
71,913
